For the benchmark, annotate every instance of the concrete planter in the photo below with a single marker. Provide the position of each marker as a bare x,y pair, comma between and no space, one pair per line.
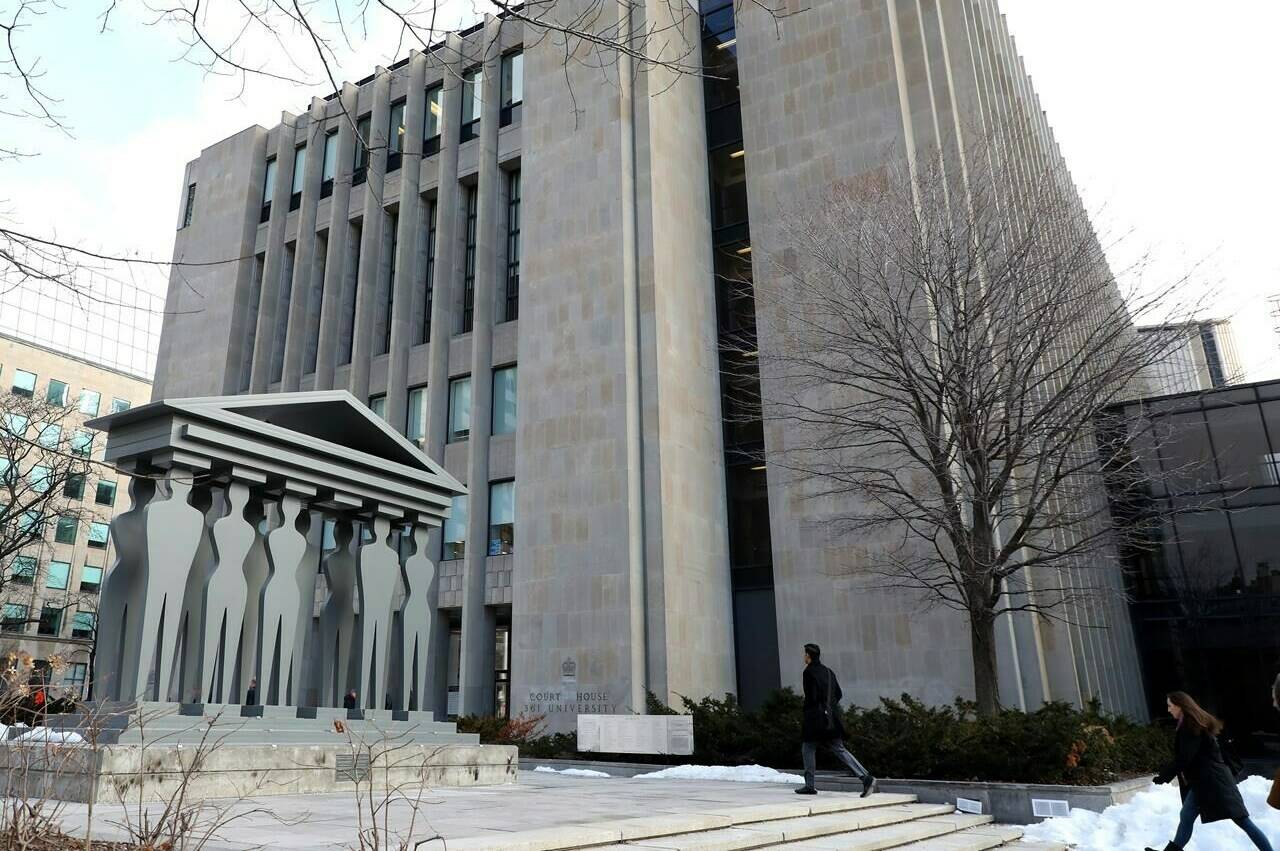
1009,803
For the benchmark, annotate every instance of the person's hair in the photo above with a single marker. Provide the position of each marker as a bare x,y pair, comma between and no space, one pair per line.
814,651
1194,715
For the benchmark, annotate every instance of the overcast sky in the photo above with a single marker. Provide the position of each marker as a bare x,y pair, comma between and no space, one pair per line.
1165,110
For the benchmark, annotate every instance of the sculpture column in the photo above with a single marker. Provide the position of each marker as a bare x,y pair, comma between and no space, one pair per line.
377,573
225,595
338,617
122,596
417,619
287,601
263,517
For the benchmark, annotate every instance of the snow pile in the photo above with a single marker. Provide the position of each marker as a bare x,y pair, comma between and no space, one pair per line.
44,735
570,772
735,774
1150,819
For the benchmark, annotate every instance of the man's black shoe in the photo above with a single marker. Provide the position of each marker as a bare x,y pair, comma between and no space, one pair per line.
868,786
806,790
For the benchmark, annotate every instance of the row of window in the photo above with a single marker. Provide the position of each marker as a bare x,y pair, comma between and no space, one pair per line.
502,419
22,571
89,402
49,435
17,615
502,523
432,126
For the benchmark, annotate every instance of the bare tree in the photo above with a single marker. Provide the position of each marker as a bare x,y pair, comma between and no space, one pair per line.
935,349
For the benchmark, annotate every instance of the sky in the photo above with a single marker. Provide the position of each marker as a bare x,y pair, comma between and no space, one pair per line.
1164,110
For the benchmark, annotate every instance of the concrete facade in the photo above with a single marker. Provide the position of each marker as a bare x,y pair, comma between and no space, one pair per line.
89,551
1200,356
619,580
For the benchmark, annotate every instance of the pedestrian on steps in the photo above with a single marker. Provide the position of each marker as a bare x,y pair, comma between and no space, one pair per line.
822,725
1207,785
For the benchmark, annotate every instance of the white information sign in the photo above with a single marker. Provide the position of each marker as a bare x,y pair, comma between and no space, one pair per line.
638,734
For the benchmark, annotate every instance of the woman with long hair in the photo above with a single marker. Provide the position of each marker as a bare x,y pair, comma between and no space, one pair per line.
1207,785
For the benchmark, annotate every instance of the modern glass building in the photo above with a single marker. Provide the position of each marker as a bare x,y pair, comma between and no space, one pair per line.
1205,578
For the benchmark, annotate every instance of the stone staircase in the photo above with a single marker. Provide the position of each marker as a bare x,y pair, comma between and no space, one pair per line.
831,822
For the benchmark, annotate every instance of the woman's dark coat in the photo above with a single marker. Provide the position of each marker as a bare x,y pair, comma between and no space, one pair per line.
1199,767
821,689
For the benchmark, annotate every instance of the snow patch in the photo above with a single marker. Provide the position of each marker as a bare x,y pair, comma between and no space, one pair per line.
1150,819
53,737
570,772
734,774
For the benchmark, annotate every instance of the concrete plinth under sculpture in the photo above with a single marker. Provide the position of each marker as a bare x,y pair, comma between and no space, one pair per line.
274,554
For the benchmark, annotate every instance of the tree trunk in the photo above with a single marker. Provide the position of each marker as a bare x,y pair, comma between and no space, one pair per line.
986,683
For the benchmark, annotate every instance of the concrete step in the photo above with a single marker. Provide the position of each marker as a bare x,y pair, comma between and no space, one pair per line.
978,838
898,835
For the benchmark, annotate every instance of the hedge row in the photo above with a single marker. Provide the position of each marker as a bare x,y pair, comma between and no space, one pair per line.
899,738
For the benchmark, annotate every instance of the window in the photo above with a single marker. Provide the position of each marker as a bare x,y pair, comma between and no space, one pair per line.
82,443
74,676
469,265
504,400
58,575
31,524
361,165
90,579
459,409
15,617
73,487
416,427
16,424
98,536
40,477
56,394
395,142
513,246
455,530
189,207
330,167
68,526
50,620
22,570
119,406
378,404
82,625
429,283
512,87
299,176
106,494
89,402
50,435
24,383
502,518
268,189
431,121
472,103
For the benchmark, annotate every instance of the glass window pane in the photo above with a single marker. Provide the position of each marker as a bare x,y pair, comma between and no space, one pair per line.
362,143
39,477
119,405
1208,565
455,530
82,443
50,620
50,435
90,578
1240,446
299,168
269,181
106,494
728,187
472,95
504,400
16,424
82,625
502,518
22,570
417,422
15,617
378,404
512,79
57,576
434,113
24,383
330,156
1255,530
459,409
98,535
1182,439
73,487
57,392
89,402
396,141
68,526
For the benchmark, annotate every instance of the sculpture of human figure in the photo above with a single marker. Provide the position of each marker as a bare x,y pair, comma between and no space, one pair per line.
289,590
209,503
416,621
262,517
173,529
338,617
115,657
378,572
225,594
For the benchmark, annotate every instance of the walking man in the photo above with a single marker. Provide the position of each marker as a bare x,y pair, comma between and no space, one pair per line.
822,724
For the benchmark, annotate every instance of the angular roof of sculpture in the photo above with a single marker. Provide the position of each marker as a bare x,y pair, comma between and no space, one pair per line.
323,438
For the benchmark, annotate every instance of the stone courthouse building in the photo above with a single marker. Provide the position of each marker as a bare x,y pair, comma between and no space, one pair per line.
525,271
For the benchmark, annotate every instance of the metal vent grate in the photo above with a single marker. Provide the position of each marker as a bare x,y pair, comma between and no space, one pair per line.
1049,808
352,767
966,805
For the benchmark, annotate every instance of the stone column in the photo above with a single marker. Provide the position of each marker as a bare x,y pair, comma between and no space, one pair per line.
295,340
269,292
263,517
417,618
335,264
377,573
338,617
225,596
191,632
476,673
362,342
406,245
288,599
122,596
